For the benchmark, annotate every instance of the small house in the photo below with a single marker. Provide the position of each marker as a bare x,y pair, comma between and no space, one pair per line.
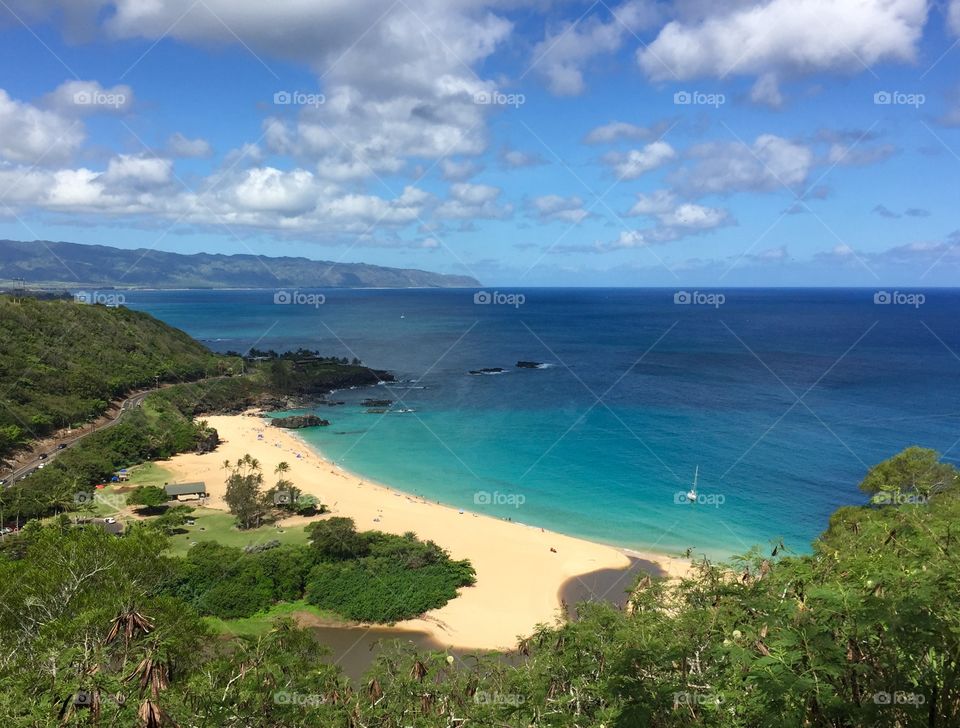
186,491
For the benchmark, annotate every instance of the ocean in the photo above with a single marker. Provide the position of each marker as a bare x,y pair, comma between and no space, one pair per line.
780,399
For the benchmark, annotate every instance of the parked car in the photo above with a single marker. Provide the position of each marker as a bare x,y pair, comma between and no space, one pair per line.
43,456
62,446
109,520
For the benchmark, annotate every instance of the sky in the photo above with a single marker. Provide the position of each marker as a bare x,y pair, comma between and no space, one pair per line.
769,143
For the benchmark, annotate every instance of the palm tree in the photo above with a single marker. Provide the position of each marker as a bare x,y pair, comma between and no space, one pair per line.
282,467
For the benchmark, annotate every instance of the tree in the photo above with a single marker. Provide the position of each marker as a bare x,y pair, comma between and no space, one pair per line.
243,495
150,498
172,519
915,470
337,539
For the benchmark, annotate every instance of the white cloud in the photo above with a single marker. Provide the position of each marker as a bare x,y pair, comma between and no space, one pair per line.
32,135
469,202
180,146
616,130
458,171
797,36
766,91
515,159
565,49
636,162
953,16
138,170
770,163
83,98
555,207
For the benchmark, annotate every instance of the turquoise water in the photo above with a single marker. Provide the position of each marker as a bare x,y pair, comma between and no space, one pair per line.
782,398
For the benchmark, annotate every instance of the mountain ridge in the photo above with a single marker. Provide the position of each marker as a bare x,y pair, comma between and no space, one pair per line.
79,264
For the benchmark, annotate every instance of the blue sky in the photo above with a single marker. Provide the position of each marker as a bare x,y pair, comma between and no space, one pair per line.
782,142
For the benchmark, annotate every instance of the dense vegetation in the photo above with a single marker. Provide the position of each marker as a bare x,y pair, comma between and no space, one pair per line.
62,363
863,632
389,579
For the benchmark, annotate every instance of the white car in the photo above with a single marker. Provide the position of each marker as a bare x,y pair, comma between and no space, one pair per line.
109,520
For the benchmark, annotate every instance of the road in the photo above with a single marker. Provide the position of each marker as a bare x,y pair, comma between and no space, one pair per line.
130,402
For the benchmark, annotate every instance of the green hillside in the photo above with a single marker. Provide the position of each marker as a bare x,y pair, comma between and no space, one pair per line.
61,363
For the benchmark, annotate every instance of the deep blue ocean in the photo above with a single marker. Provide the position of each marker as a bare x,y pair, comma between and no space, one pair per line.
783,398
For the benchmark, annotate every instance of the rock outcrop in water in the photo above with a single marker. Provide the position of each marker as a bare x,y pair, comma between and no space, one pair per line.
376,403
529,364
296,422
487,370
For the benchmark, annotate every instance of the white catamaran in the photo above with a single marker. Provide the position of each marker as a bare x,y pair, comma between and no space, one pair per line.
692,493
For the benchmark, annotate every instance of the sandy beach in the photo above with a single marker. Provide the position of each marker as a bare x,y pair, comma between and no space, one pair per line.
519,577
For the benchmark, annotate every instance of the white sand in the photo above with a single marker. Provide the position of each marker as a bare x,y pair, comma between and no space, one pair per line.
518,577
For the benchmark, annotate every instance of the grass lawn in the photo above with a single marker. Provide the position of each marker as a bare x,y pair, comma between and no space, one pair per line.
213,525
149,474
261,623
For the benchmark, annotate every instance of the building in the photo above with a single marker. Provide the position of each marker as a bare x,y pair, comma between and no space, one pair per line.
186,491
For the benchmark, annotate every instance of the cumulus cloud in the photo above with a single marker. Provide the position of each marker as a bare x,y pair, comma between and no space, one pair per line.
180,146
769,163
953,16
793,36
33,135
617,130
515,159
766,91
566,48
458,171
556,207
471,201
636,162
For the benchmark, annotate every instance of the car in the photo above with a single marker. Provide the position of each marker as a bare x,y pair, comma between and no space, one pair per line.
42,456
62,446
109,520
41,466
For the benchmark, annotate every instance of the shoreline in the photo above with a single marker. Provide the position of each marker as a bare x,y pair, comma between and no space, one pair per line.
523,571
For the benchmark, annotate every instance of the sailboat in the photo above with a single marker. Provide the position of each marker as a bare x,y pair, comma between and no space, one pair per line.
692,493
